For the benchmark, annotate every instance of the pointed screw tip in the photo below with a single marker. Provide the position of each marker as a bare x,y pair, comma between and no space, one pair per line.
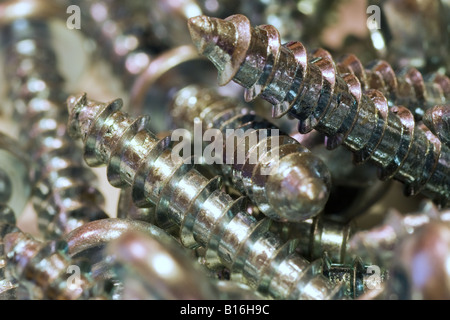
201,29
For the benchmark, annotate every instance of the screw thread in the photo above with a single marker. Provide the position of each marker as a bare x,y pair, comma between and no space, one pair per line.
408,87
437,119
298,184
320,99
189,203
64,193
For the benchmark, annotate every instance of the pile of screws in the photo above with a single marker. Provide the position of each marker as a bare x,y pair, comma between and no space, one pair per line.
342,192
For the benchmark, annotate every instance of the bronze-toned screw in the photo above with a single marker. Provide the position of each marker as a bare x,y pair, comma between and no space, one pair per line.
335,105
190,204
64,194
437,119
298,186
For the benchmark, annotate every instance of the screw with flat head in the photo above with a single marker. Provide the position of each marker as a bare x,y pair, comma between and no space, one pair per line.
190,204
313,92
298,186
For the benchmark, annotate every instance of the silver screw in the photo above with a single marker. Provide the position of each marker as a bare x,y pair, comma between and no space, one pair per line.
298,186
314,93
190,204
406,88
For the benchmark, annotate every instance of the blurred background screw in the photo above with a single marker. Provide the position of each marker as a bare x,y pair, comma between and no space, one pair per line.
15,186
64,194
420,268
377,245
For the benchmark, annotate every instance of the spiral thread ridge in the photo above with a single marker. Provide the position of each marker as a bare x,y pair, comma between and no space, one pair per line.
311,90
189,204
298,184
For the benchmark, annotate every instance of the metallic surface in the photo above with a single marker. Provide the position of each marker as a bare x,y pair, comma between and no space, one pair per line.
122,33
65,194
335,105
99,233
354,189
295,19
437,119
231,290
42,268
317,236
414,33
152,90
127,209
408,87
356,277
152,267
296,189
191,205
